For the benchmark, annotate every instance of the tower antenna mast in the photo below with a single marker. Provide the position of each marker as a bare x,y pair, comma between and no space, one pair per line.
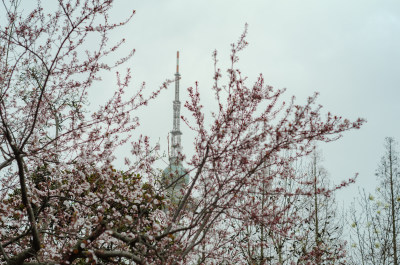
176,147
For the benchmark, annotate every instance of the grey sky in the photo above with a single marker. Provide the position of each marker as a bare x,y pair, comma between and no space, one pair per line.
349,51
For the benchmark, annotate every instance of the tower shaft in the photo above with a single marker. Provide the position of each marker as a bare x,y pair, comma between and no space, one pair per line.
176,147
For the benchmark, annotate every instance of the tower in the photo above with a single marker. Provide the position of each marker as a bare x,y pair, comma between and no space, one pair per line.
176,147
174,177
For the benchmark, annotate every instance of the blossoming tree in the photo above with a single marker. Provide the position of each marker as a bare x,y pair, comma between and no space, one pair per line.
63,201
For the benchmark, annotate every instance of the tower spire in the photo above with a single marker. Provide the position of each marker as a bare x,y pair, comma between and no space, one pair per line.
175,177
177,61
176,147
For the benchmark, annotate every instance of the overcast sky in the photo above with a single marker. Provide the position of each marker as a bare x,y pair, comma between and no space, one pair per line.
349,51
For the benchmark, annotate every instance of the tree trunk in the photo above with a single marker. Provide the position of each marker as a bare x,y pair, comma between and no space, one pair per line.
392,202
